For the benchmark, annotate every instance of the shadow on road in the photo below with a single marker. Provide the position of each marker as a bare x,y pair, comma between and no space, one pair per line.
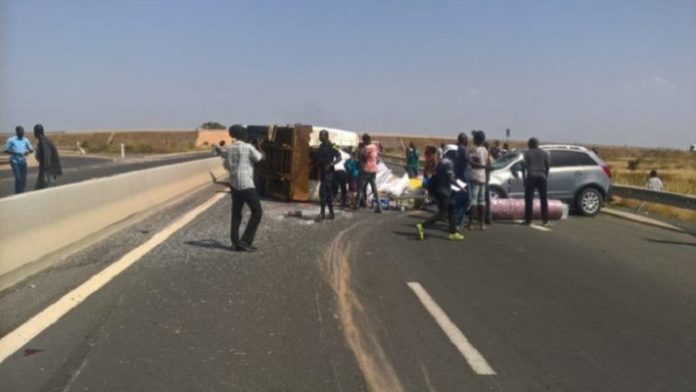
671,242
209,244
411,235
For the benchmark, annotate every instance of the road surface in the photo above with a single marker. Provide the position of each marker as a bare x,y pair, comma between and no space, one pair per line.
78,168
594,304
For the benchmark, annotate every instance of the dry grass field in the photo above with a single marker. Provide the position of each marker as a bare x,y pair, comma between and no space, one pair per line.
155,142
676,169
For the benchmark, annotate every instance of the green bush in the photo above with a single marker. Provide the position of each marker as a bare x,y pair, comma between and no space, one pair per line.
633,163
212,125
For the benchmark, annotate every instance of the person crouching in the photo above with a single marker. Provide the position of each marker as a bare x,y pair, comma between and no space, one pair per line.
442,191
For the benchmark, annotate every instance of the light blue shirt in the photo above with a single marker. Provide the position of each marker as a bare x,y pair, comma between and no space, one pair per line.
18,148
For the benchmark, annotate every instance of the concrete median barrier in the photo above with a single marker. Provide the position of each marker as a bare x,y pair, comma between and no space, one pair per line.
38,223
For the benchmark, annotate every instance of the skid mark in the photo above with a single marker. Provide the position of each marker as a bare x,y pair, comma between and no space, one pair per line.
376,368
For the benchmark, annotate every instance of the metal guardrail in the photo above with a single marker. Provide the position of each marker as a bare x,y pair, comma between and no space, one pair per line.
678,200
393,160
668,198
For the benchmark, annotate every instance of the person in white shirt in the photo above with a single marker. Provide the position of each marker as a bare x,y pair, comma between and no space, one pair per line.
654,184
479,161
341,179
239,161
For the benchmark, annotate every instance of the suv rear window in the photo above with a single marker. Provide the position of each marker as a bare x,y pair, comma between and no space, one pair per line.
561,158
586,160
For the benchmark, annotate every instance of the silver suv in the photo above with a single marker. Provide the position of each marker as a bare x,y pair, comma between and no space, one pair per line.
577,176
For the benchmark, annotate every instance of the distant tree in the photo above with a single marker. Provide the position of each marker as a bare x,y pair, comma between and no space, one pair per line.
633,163
213,125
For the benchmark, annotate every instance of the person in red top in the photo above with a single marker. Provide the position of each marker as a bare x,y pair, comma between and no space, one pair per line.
368,162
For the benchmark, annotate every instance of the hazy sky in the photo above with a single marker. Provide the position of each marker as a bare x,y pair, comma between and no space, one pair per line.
612,72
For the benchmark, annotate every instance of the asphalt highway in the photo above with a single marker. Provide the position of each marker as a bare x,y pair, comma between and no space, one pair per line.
81,168
594,304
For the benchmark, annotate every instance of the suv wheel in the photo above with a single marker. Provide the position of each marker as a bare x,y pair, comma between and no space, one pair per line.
589,201
496,193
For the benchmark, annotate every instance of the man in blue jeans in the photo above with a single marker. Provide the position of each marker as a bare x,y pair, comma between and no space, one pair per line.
239,161
19,147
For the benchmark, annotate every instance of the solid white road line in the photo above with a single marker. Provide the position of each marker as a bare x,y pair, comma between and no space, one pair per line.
16,339
540,228
471,354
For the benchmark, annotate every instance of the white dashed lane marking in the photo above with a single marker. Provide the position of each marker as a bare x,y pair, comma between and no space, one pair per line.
473,357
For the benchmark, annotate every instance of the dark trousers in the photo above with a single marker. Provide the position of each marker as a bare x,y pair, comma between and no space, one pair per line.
358,190
45,179
370,179
461,203
341,183
412,171
488,212
535,183
20,174
445,206
326,191
251,198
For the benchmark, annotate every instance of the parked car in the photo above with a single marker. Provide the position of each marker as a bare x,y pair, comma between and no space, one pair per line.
577,176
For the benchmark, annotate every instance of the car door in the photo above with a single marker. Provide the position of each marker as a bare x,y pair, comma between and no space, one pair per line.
515,182
563,174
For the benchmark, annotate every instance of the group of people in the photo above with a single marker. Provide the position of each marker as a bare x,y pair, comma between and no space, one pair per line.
46,153
351,171
457,178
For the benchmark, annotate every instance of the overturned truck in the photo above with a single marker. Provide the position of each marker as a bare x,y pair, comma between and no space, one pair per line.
287,170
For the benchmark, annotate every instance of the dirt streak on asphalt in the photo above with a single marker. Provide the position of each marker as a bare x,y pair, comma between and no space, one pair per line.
376,368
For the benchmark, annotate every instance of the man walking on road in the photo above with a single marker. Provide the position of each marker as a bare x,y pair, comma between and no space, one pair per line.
535,171
370,154
327,156
19,147
49,161
240,160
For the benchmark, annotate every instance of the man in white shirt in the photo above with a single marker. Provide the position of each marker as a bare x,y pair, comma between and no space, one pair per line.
479,161
341,179
239,161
